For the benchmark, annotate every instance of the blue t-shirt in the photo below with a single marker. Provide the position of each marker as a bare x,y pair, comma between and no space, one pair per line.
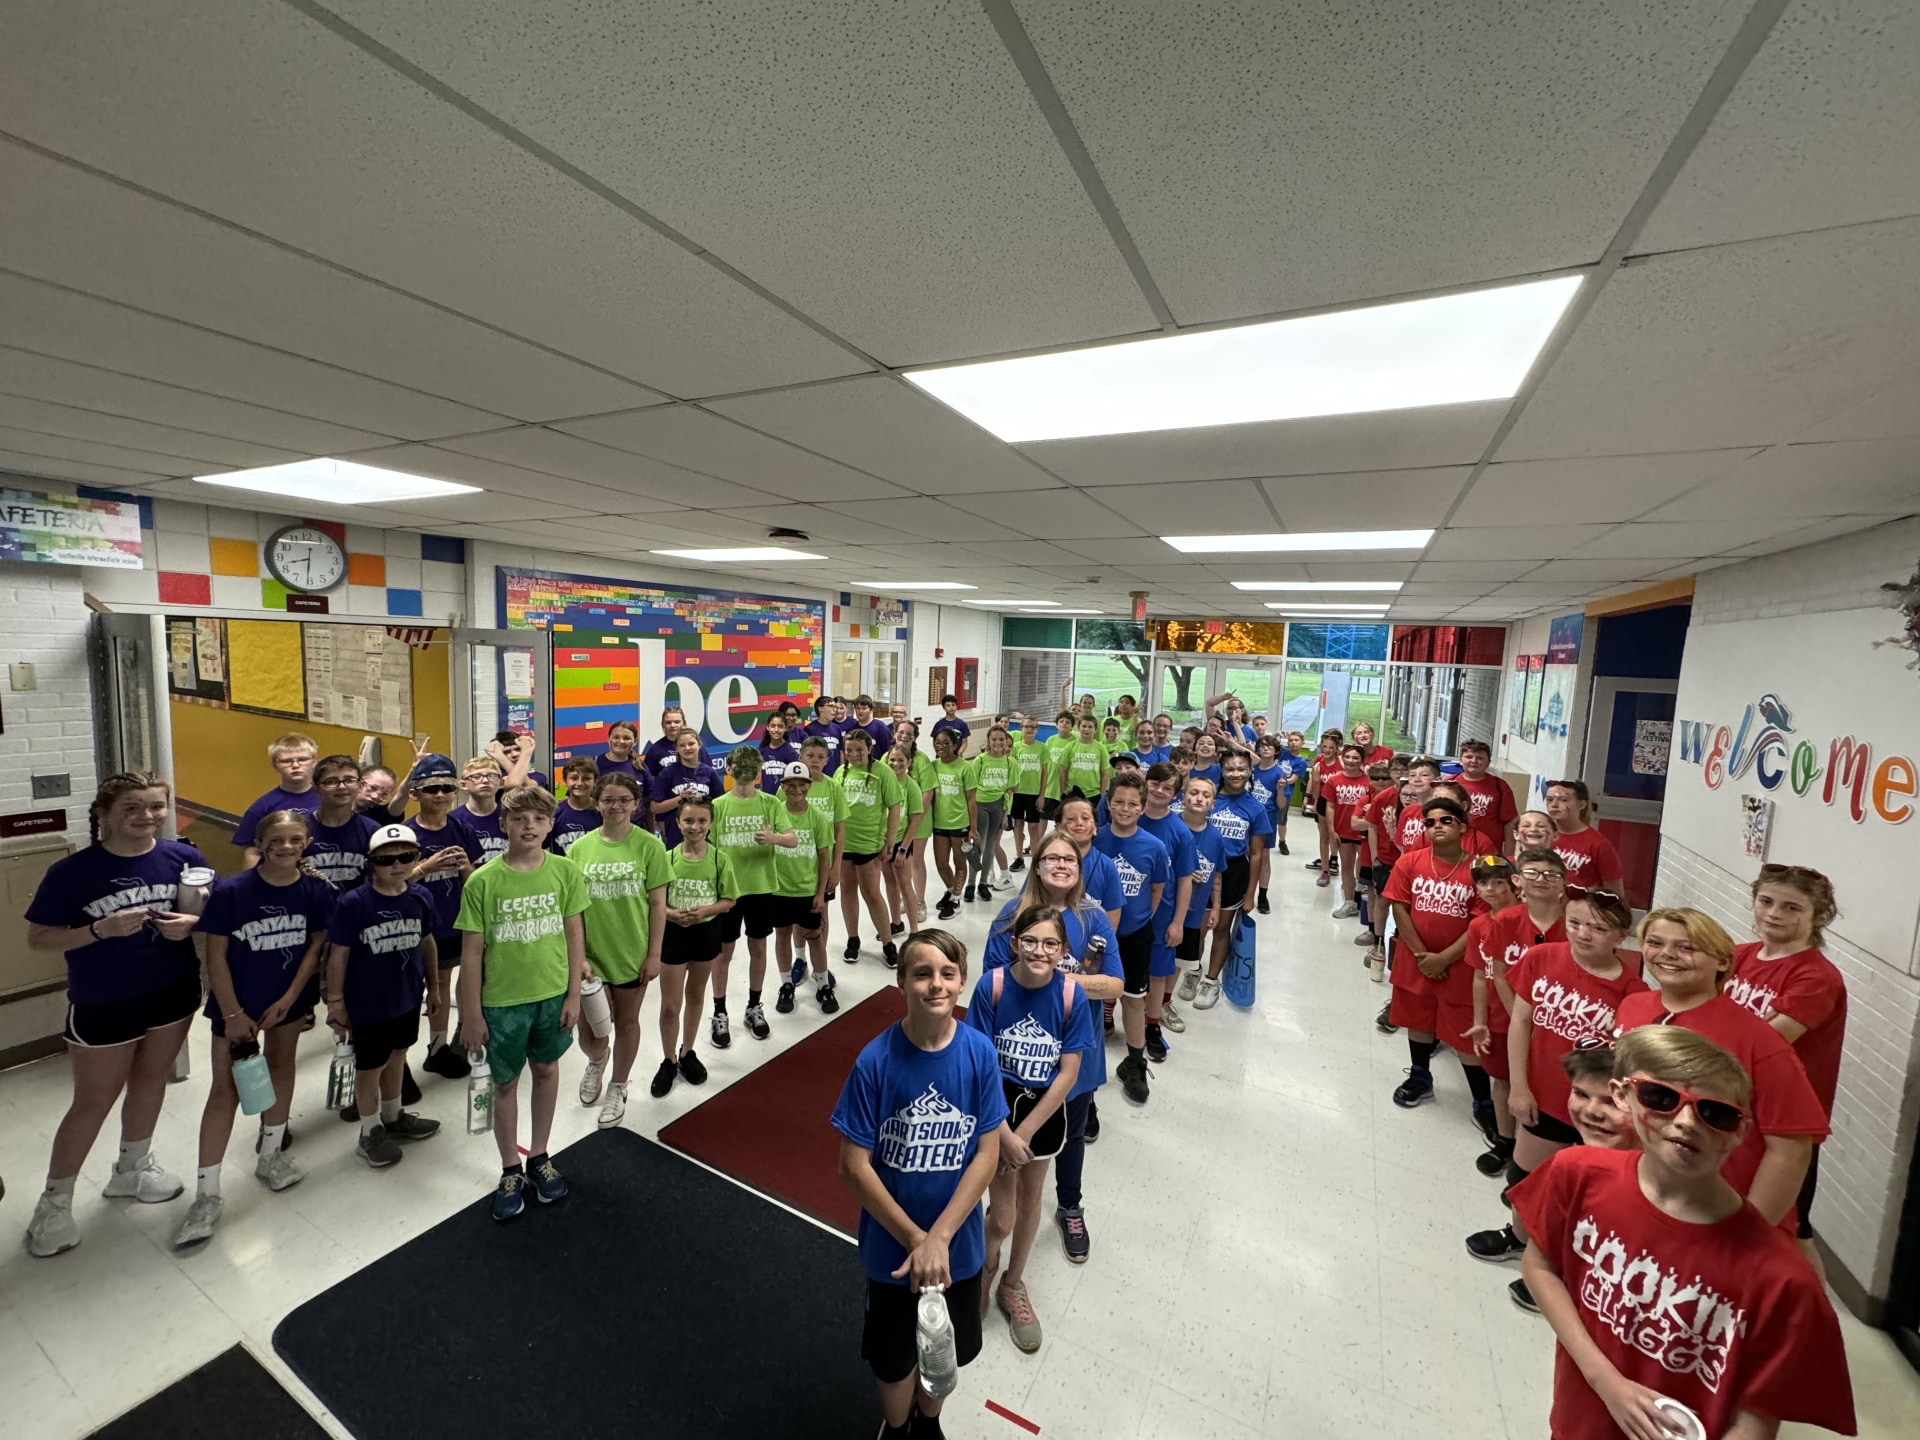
1092,948
1031,1029
267,929
922,1115
274,799
1209,858
94,883
1157,755
961,731
569,825
774,760
1238,818
386,973
1142,863
829,731
338,853
1171,831
485,830
445,885
675,779
1269,788
1101,879
1205,772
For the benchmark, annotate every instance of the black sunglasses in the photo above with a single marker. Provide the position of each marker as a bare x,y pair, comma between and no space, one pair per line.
1659,1098
405,857
435,789
1439,820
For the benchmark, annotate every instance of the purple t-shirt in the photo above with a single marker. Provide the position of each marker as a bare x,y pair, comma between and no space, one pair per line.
774,760
267,929
486,832
445,886
617,767
569,825
676,779
95,883
961,730
386,973
274,799
829,731
338,853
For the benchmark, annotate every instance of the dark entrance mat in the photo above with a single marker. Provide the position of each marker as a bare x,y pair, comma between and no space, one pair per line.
231,1397
657,1299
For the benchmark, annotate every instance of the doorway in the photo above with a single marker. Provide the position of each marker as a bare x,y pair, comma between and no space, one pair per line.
875,670
1183,683
1629,735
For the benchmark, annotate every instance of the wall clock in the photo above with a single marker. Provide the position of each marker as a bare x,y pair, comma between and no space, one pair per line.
303,558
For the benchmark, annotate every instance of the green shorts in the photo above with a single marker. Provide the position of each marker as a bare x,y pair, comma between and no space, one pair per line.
519,1033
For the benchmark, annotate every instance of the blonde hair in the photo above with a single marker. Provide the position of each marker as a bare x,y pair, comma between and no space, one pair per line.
296,819
1680,1056
291,741
949,946
482,762
1707,934
528,797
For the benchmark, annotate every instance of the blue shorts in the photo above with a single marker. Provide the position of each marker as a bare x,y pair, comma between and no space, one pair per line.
1163,960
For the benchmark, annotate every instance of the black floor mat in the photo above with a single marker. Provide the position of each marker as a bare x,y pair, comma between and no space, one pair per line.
656,1299
231,1397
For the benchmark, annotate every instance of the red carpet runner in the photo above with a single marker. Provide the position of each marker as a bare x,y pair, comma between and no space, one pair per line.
770,1129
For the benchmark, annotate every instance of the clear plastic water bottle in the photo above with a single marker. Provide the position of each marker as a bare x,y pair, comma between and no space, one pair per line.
479,1093
251,1078
939,1359
594,1008
340,1077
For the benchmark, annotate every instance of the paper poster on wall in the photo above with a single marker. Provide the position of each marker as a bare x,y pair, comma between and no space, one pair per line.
1756,824
1556,701
1652,744
208,651
180,656
516,674
67,530
1517,695
1563,640
1530,710
358,676
264,667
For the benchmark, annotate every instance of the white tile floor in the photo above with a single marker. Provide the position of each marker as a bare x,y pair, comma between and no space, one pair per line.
1276,1248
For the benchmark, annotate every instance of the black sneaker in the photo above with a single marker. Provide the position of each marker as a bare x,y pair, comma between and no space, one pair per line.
409,1126
1313,865
1523,1297
378,1148
899,927
1381,1023
1132,1074
823,993
719,1030
1093,1123
968,895
1493,1161
947,908
784,1004
1483,1117
756,1019
1261,904
349,1112
1416,1089
852,952
409,1087
1496,1247
448,1063
984,892
1156,1045
663,1078
1019,864
890,955
691,1070
1073,1234
1283,848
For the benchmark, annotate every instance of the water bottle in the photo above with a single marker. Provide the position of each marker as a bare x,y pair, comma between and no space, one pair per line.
251,1078
594,1008
190,895
939,1360
340,1078
479,1093
1680,1419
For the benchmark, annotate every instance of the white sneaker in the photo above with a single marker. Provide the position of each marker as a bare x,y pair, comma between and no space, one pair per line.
202,1216
590,1079
615,1108
1208,997
920,912
52,1228
1003,881
1189,984
1346,911
278,1171
1171,1018
146,1182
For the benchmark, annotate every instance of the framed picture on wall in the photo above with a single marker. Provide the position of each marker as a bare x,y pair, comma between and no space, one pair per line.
966,683
936,683
1530,710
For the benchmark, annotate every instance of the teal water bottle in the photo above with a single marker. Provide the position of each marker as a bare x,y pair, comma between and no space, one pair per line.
251,1078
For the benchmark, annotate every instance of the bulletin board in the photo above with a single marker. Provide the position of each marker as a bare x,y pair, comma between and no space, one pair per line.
266,668
358,677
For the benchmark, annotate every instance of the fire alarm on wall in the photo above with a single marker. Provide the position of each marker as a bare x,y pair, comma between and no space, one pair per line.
938,652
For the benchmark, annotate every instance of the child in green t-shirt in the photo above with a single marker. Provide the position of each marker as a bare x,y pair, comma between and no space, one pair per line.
523,957
874,803
1065,730
907,861
1083,762
1025,817
993,777
802,867
953,818
745,825
700,891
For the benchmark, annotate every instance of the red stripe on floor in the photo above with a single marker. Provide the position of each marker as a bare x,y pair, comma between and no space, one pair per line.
1020,1420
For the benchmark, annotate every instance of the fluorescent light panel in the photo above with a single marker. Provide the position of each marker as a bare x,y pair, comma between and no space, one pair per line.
1328,586
742,552
1302,605
1447,350
336,482
1331,615
891,585
1015,604
1303,540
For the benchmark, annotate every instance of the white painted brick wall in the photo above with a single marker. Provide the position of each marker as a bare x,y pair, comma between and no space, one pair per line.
1843,574
49,730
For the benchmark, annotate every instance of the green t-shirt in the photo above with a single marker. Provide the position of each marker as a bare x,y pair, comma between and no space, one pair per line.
916,822
992,777
692,883
1114,747
871,794
1056,747
951,781
797,871
1083,767
1029,759
828,800
522,915
621,878
737,817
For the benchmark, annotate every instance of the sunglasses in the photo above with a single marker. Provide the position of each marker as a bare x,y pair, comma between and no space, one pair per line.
435,789
1767,871
1492,862
405,857
1583,892
1439,820
1659,1098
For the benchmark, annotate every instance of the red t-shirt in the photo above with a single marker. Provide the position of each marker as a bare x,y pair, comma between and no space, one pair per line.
1569,1004
1508,936
1493,803
1347,795
1723,1318
1383,813
1805,987
1378,755
1783,1101
1442,902
1324,770
1590,857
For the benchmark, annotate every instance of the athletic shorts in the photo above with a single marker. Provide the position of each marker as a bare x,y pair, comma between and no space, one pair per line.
299,1017
1354,840
690,944
446,949
1320,806
1191,938
864,857
1024,809
1380,875
1494,1062
1233,883
1453,1019
519,1033
1164,961
792,910
959,834
1411,1011
377,1041
121,1022
1804,1203
889,1335
1551,1127
757,916
1136,959
633,984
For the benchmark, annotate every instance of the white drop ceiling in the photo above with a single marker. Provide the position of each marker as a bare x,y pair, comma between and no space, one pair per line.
647,273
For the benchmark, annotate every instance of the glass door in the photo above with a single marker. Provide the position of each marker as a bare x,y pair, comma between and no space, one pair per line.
1338,695
846,672
883,677
501,680
1183,683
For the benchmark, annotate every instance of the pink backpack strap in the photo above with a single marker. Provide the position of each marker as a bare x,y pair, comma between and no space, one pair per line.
1066,1004
999,979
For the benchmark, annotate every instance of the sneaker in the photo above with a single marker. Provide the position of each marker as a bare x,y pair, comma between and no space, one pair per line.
260,1136
1022,1324
1093,1123
1493,1161
614,1108
1189,987
890,955
1416,1089
409,1087
823,995
590,1081
1333,865
448,1063
52,1228
1367,938
548,1183
899,927
1346,911
1171,1018
1326,879
797,971
1004,880
947,908
719,1031
983,892
1496,1247
663,1079
1073,1233
349,1113
1315,865
920,912
1483,1117
1523,1297
783,1003
1019,864
756,1018
1132,1074
146,1182
1209,995
409,1126
1283,848
691,1070
511,1198
201,1219
278,1171
378,1148
1156,1045
967,894
1382,1022
852,952
1260,903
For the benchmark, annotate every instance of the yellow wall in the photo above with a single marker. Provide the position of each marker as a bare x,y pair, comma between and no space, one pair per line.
220,756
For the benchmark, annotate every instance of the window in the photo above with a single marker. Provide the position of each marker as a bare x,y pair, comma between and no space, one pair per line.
1337,642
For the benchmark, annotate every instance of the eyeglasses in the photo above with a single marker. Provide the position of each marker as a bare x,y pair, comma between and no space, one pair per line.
1605,897
435,789
1659,1098
1537,875
1037,945
405,857
1072,860
332,780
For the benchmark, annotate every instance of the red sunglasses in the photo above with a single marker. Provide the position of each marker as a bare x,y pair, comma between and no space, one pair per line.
1659,1098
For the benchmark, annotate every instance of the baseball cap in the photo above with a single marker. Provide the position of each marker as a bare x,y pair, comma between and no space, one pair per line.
796,770
435,767
393,835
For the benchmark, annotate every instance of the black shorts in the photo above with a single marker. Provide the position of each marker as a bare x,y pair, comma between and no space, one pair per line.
1024,809
889,1335
1804,1202
959,834
1136,959
121,1022
1547,1127
691,944
1233,883
1051,1138
756,914
378,1041
1049,810
793,910
1191,937
864,857
633,984
446,949
1320,805
1381,874
299,1017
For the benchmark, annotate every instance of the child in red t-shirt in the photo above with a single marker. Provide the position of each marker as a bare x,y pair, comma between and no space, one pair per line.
1494,808
1591,859
1325,766
1667,1292
1347,792
1493,884
1542,885
1431,891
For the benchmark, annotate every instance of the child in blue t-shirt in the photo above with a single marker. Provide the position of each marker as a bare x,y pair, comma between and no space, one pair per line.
919,1120
1145,872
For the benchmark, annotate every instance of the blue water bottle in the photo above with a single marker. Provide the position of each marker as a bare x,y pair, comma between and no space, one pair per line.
251,1078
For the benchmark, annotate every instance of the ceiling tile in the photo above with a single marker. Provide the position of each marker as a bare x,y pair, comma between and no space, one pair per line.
1198,507
189,447
84,472
95,452
1890,413
818,523
1047,514
1360,569
1368,500
713,445
1120,551
1811,534
1599,490
538,448
1512,542
1580,574
1681,538
497,475
922,516
1860,477
1490,571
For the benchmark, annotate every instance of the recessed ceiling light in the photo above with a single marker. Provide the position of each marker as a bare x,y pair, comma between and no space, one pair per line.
1297,607
1447,350
1304,540
1015,604
1331,615
927,585
742,552
1348,586
1079,612
336,482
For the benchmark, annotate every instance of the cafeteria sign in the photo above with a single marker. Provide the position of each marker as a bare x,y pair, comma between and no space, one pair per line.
68,530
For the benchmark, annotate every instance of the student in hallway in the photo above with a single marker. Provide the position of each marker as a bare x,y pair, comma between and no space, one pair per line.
337,849
700,889
292,756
